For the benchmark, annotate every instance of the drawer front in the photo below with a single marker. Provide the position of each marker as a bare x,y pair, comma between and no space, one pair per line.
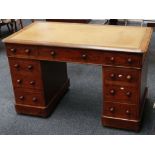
75,55
71,55
123,59
123,75
123,111
117,93
29,82
22,51
29,98
24,67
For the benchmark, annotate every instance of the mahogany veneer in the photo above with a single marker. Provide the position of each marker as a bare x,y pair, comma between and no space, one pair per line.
39,73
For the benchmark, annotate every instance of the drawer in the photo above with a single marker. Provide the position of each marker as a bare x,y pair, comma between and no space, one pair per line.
22,51
117,93
29,82
29,98
122,75
24,67
118,110
71,55
123,59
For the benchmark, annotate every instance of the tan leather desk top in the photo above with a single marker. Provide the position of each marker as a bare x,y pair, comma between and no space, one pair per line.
89,36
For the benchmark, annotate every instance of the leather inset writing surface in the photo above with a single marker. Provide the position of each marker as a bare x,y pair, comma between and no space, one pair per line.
117,38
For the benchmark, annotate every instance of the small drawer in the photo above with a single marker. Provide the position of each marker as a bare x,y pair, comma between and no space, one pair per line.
123,59
24,67
29,98
71,55
117,93
22,51
122,75
118,110
27,82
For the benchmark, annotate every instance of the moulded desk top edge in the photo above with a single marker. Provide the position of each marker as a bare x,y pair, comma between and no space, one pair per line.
143,45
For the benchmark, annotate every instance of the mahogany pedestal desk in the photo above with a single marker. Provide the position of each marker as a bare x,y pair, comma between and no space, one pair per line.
38,54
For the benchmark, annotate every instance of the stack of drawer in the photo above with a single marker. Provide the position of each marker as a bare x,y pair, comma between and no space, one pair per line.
37,84
122,94
26,77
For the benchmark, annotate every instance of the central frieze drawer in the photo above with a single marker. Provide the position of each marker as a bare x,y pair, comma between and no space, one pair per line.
71,55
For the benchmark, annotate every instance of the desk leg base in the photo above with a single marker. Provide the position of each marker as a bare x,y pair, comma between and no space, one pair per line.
46,110
119,123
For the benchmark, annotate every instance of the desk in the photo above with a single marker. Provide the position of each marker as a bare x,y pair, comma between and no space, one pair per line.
38,54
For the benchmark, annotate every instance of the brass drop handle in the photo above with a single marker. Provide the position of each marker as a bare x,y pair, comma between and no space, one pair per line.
112,92
34,99
128,94
30,67
112,76
112,59
128,77
32,83
112,109
27,51
21,97
16,66
84,56
13,50
129,60
128,112
52,53
19,81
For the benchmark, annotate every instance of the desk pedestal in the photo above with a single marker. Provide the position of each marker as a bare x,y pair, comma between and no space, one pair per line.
125,94
38,85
